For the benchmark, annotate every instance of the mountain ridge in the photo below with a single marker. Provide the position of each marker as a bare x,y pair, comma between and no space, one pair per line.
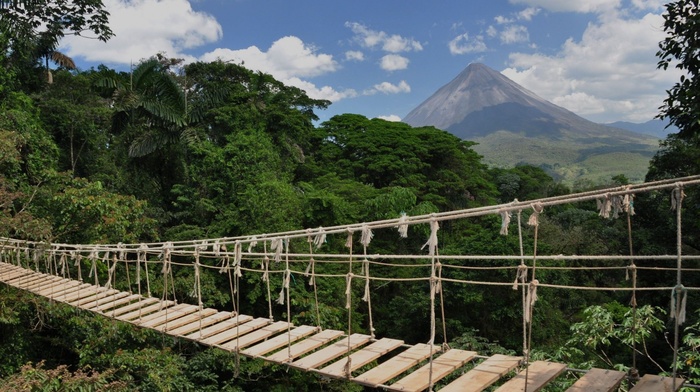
483,105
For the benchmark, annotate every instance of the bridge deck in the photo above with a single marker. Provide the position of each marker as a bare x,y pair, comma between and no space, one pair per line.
385,363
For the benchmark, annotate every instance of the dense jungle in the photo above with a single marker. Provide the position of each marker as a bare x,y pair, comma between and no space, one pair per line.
178,151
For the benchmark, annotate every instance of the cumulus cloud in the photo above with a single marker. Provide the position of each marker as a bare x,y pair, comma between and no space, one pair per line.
598,76
286,58
462,44
143,28
373,39
514,34
583,6
325,92
528,13
389,88
289,60
390,117
393,62
354,55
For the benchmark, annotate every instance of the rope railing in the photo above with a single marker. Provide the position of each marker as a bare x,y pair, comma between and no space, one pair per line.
304,254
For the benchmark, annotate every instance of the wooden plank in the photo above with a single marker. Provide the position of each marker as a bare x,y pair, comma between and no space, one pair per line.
200,323
15,272
167,311
442,366
235,331
41,282
306,345
139,303
65,289
362,357
119,302
220,327
539,373
256,336
80,294
104,293
598,380
331,352
110,298
58,282
50,290
174,314
651,383
143,311
20,280
279,341
61,293
179,322
396,365
483,375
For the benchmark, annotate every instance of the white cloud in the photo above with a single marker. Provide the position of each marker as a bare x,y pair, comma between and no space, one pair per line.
599,75
583,6
388,88
144,28
461,44
650,5
502,20
393,62
372,39
286,58
514,34
325,92
528,13
354,55
391,117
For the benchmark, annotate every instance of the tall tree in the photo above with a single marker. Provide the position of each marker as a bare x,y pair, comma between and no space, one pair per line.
680,49
33,29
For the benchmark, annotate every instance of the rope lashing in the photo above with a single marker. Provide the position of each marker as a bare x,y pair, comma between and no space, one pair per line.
320,238
520,276
92,256
505,221
433,239
534,217
348,289
679,296
141,257
266,279
253,242
77,257
111,271
285,285
530,300
197,280
403,225
604,206
276,246
677,195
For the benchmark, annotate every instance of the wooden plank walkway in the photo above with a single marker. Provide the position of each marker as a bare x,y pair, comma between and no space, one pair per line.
385,363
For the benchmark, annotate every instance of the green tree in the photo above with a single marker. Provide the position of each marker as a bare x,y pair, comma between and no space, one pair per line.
679,49
32,30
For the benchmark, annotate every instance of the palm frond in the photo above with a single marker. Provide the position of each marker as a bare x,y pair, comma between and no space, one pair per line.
62,60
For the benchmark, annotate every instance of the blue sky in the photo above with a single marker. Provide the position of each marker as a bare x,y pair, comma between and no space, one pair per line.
382,58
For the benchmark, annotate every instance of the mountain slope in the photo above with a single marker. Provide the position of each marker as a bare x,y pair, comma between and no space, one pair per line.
514,126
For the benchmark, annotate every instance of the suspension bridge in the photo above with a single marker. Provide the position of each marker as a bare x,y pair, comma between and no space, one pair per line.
84,276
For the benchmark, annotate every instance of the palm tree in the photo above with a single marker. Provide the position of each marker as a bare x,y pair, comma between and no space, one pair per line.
153,101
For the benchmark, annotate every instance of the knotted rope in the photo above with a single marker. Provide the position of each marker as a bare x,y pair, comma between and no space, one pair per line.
403,225
366,238
432,245
679,294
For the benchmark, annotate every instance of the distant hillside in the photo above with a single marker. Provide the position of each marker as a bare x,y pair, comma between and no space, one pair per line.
513,126
654,127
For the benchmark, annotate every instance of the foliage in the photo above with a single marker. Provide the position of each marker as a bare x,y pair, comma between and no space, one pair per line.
31,30
679,49
37,378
